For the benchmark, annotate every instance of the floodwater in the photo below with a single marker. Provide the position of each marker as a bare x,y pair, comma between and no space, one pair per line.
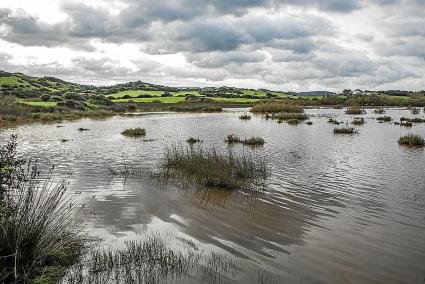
336,209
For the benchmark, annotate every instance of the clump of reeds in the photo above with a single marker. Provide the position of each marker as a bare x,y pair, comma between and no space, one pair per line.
415,120
253,141
289,115
273,106
358,121
406,123
40,231
379,110
412,140
384,119
208,168
345,130
134,132
245,117
309,123
192,140
333,121
81,129
354,110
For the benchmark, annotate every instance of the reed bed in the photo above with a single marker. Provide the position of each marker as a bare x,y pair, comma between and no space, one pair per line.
190,167
273,106
412,140
345,130
134,132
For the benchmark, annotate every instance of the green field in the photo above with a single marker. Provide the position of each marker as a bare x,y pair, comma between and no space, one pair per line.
135,93
41,104
165,100
235,100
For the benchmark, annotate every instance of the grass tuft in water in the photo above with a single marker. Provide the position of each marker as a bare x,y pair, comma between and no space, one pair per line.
358,121
192,140
415,110
355,110
134,132
245,117
379,110
412,140
190,167
384,119
345,130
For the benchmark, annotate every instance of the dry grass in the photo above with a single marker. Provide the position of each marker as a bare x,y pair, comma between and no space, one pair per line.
355,110
134,132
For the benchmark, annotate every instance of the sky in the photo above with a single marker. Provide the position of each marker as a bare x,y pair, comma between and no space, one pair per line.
287,45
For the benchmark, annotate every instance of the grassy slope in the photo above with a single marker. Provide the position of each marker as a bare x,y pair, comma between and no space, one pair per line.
166,100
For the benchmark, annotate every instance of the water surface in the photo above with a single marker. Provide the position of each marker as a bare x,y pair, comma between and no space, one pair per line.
336,209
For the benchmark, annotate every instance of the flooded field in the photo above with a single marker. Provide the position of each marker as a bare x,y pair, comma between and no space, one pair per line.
336,208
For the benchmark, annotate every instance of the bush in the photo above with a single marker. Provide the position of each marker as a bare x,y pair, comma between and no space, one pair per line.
208,168
355,110
45,98
72,104
134,132
411,140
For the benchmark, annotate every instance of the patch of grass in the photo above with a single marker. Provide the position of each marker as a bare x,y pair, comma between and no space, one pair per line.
192,140
333,121
406,123
289,115
245,117
355,110
345,130
232,138
40,104
293,122
384,118
164,100
379,110
253,141
134,132
81,129
190,167
414,120
151,261
273,106
411,140
358,121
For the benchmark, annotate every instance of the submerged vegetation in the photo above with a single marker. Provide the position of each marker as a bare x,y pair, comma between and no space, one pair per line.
209,168
134,132
412,140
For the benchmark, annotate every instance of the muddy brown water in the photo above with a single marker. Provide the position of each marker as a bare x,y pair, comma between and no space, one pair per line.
336,209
